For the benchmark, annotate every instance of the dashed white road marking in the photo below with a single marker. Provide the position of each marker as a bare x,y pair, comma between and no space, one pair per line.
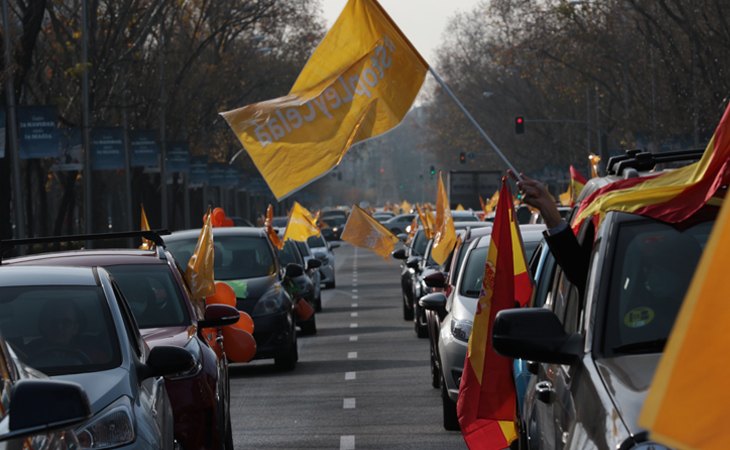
350,375
348,403
353,338
347,442
353,325
355,297
353,314
351,355
354,291
354,305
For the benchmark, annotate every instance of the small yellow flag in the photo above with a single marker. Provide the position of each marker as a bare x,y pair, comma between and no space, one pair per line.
199,273
405,207
445,238
362,230
301,225
594,160
359,83
145,226
425,222
270,231
460,207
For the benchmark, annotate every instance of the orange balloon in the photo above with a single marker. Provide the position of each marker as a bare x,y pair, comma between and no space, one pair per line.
211,336
239,345
245,322
223,294
218,217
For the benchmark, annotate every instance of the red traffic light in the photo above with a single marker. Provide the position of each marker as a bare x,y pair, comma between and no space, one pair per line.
519,124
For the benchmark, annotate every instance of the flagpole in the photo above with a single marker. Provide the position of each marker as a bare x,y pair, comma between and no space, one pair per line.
473,121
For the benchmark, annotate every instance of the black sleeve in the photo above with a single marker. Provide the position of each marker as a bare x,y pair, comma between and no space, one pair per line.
571,257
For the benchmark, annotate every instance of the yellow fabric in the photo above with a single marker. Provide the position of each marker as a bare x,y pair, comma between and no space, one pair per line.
362,230
199,272
445,235
144,226
301,225
270,231
460,207
359,83
492,203
425,222
683,409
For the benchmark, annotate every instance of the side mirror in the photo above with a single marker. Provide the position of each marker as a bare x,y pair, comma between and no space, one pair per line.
314,264
433,302
39,406
218,315
399,254
413,262
293,270
435,279
535,334
168,360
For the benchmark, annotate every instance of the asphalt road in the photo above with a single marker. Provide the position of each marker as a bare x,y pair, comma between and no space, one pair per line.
362,381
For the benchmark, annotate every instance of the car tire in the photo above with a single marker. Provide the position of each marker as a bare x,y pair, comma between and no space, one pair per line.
451,420
309,327
407,312
421,330
435,371
330,284
228,445
318,303
288,361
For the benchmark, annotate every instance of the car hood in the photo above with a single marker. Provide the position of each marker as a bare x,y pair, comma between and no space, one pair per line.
102,388
627,380
174,336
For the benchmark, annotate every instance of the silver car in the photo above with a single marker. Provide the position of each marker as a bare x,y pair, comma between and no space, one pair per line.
461,306
323,251
73,324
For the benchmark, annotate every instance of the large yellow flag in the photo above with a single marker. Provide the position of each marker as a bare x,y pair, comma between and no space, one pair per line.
362,230
444,239
144,226
301,225
199,273
359,82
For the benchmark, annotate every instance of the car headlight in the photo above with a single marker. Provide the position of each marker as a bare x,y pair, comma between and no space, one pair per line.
193,346
461,329
269,304
111,427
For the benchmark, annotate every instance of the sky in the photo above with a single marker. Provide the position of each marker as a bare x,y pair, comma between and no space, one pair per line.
422,21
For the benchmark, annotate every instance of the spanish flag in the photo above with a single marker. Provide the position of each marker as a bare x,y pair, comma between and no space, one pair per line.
199,272
359,83
487,397
444,238
362,230
670,196
576,185
270,231
301,225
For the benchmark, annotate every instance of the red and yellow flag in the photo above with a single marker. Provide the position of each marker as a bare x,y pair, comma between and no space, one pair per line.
487,397
362,230
270,231
301,225
359,83
199,272
671,196
444,238
144,226
576,185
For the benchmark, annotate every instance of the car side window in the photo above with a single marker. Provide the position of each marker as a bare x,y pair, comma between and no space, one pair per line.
133,335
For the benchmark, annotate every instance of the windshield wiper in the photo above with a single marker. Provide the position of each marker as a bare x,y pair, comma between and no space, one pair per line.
655,346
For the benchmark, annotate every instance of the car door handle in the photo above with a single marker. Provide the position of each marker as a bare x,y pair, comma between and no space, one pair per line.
545,392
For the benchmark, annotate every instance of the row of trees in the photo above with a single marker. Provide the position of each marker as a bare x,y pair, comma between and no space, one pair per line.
155,64
588,76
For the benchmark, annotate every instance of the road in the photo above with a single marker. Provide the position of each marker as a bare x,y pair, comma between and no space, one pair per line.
362,381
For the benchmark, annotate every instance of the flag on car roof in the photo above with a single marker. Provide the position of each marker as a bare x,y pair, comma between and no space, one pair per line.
682,409
144,226
423,217
487,396
576,185
359,83
199,272
362,230
276,241
670,196
594,161
301,225
444,239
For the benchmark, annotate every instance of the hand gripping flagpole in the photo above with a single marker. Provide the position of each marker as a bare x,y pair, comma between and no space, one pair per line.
473,121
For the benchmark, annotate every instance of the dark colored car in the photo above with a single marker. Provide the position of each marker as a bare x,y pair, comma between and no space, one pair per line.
332,226
397,224
247,261
597,347
410,257
324,251
165,313
311,267
300,286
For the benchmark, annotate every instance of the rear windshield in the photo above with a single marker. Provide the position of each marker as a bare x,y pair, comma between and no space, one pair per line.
651,271
316,241
60,329
152,293
471,280
236,257
418,247
289,254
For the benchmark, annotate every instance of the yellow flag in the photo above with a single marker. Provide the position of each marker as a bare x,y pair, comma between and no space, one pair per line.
460,207
144,226
492,203
362,230
682,409
445,238
269,227
359,83
405,207
301,224
199,273
423,216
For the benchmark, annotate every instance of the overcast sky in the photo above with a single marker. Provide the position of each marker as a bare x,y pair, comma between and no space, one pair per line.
422,21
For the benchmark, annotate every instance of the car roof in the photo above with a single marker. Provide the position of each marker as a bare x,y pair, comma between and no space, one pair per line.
47,276
472,224
529,232
217,231
99,257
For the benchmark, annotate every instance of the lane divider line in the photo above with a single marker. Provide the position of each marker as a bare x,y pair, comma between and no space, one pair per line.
347,442
353,325
353,338
353,314
354,305
350,376
348,403
351,355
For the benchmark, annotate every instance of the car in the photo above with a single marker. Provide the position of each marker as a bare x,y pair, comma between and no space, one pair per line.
410,257
279,223
74,324
165,312
323,251
597,345
332,227
382,216
246,260
564,211
311,267
464,216
397,224
301,286
458,311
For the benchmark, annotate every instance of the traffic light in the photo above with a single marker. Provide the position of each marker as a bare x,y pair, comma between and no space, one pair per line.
462,158
519,124
433,171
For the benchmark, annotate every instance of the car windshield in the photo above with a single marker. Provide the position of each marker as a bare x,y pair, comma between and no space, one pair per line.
651,271
334,221
152,293
316,242
471,280
236,257
60,329
418,247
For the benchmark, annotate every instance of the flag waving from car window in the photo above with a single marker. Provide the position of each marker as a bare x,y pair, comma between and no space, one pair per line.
487,396
362,230
444,238
359,83
301,225
270,231
199,272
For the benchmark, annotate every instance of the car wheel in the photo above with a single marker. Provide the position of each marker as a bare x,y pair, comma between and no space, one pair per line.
229,436
407,311
288,360
435,371
309,327
318,303
451,420
421,329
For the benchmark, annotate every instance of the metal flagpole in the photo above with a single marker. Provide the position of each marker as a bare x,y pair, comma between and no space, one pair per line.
473,121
